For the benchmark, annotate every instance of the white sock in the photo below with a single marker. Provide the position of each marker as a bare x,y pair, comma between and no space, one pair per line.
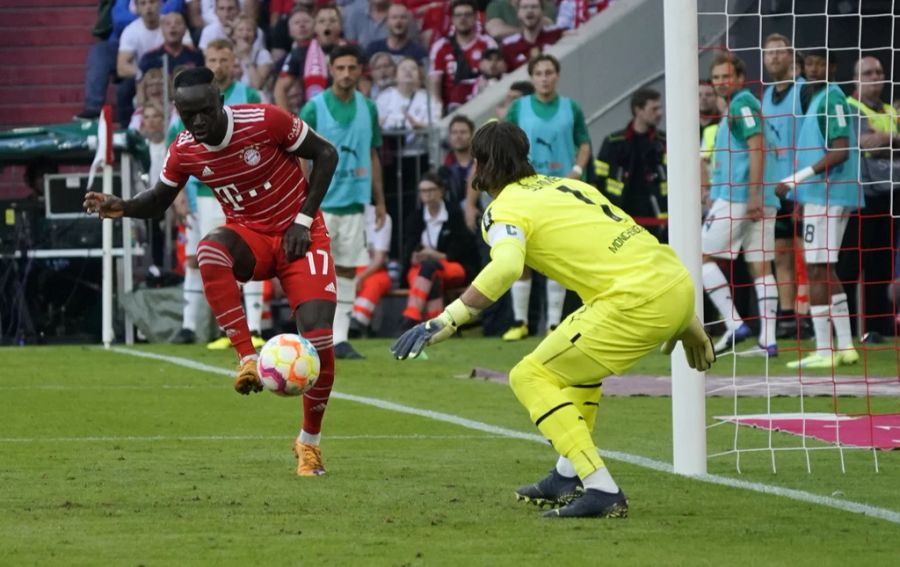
719,292
346,293
193,295
253,304
600,479
821,328
309,438
521,292
556,296
840,317
565,468
767,298
249,357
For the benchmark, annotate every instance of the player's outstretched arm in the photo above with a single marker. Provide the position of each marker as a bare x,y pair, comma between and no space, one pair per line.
147,204
698,348
442,327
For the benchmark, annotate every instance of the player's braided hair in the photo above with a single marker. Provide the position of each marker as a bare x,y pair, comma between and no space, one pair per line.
501,149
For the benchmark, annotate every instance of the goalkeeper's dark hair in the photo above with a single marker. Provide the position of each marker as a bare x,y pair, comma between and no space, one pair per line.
193,76
501,149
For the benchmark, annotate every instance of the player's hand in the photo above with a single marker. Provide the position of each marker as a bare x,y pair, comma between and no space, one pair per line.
296,242
433,331
105,205
380,214
182,210
755,206
697,345
782,189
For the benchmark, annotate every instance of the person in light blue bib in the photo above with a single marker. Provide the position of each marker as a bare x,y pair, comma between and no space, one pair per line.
826,183
349,120
741,218
781,115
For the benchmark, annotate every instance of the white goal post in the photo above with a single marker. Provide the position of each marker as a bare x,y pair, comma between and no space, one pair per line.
683,115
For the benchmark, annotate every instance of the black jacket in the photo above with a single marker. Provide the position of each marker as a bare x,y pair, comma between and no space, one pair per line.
455,239
631,171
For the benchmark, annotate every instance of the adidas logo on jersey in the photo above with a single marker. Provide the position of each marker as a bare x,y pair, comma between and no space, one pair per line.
207,171
330,288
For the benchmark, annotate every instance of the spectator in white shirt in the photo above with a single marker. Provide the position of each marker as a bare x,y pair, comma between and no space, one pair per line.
227,12
255,61
407,105
384,73
201,13
139,37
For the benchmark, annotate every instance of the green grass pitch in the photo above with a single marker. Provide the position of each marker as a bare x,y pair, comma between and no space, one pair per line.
110,459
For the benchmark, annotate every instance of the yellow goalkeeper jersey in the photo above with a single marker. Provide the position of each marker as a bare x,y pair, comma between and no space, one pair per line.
576,236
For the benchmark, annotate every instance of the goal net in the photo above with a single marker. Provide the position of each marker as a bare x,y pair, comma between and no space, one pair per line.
806,315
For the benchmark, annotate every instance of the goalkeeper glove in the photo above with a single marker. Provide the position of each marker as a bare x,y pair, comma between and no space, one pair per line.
697,345
433,331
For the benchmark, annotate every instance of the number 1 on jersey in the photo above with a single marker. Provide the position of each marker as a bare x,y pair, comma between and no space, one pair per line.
580,196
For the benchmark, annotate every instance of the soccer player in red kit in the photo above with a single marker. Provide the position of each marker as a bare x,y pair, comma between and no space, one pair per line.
249,154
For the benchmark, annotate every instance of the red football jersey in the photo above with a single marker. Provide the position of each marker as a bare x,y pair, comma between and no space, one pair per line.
252,173
443,58
518,50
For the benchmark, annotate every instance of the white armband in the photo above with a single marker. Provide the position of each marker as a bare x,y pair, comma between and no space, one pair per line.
577,169
304,220
799,177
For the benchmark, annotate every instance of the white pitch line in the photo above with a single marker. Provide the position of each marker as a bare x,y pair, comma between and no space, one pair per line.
637,460
164,438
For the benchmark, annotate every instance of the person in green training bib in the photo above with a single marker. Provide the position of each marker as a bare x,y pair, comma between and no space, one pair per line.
560,147
826,183
741,218
349,120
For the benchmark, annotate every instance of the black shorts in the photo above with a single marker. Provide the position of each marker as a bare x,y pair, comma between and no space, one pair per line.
785,226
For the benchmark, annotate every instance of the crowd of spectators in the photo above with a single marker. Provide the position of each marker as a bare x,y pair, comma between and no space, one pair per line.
423,60
281,46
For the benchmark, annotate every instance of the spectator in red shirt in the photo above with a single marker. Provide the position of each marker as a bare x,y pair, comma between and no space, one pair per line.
455,58
533,35
433,17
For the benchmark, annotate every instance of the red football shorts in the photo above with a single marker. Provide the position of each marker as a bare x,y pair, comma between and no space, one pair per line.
305,279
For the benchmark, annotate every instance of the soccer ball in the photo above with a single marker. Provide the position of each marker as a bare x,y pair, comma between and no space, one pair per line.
288,365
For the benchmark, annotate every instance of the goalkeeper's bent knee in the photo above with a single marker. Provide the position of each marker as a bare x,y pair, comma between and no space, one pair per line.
555,414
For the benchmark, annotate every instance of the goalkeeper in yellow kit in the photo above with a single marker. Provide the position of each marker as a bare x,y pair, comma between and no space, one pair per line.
637,296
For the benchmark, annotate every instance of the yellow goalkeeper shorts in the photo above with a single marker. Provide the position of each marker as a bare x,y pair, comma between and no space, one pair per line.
614,338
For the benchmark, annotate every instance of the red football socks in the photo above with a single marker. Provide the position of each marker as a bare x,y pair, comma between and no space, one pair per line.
221,290
316,399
